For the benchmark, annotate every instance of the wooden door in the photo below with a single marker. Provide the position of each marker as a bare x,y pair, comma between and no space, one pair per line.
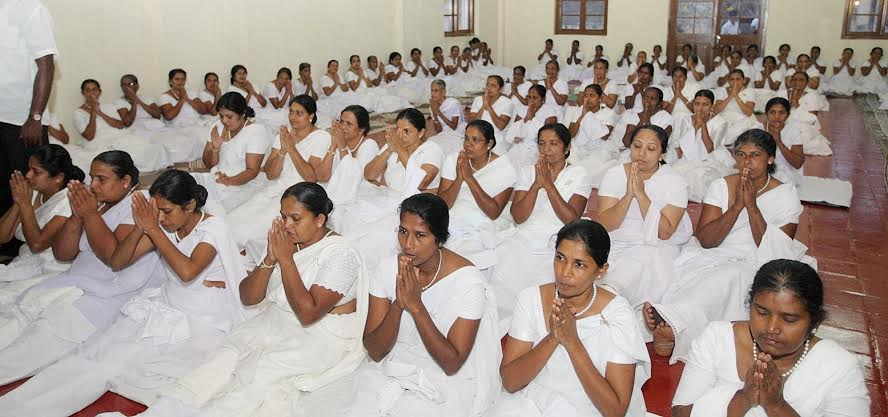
741,23
692,22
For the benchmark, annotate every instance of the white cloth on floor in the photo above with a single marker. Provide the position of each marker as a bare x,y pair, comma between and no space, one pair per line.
148,156
523,135
697,165
348,172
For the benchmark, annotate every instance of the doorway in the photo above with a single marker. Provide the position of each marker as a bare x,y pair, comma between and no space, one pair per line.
705,24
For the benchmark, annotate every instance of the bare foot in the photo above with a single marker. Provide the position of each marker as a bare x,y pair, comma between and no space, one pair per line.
648,312
664,339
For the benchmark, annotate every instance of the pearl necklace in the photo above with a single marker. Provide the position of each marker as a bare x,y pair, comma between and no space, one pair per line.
794,366
437,271
485,163
588,306
765,186
358,145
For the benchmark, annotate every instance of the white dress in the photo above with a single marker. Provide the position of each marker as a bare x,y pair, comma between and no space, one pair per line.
382,99
523,134
252,219
539,71
473,235
595,148
791,135
762,95
572,72
738,122
828,382
268,363
270,116
408,381
813,141
372,218
523,90
348,172
144,122
690,89
712,284
451,140
185,135
163,333
251,139
661,118
148,156
611,336
55,316
818,93
874,82
641,262
843,83
29,269
560,86
253,103
503,107
698,166
524,257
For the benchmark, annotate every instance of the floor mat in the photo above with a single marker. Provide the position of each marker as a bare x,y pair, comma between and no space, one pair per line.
876,122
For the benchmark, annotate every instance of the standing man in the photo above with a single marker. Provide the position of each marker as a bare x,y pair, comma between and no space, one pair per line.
27,51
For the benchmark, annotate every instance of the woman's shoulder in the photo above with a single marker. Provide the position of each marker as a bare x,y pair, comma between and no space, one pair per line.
319,134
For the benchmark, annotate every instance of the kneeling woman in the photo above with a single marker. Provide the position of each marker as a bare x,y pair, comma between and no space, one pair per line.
548,195
311,292
164,331
476,184
40,209
574,349
748,219
430,330
56,316
233,153
772,363
643,204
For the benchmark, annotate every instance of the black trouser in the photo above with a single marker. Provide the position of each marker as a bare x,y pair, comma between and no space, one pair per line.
13,156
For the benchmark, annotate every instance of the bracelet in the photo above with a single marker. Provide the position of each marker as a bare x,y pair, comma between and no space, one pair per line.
262,265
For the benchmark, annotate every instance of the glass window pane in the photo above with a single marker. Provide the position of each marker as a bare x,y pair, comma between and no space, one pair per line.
570,7
686,9
749,10
448,7
730,9
570,22
684,25
704,10
594,8
464,16
448,23
866,7
702,26
862,24
594,22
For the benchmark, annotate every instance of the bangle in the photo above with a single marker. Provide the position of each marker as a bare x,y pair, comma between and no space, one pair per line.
262,265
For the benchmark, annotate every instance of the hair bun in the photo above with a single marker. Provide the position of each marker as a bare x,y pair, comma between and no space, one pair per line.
249,112
200,195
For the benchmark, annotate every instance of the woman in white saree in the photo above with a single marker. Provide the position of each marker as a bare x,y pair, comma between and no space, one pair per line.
406,165
447,117
57,315
40,209
748,219
476,184
592,146
804,110
163,331
772,363
430,331
186,131
368,90
574,348
310,290
296,156
738,106
538,113
241,85
789,137
548,195
234,153
353,151
643,204
698,151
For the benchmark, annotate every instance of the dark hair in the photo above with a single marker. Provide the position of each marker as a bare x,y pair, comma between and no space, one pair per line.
87,82
557,65
121,163
361,114
778,101
179,188
433,212
848,49
540,89
207,75
415,117
879,48
312,196
486,130
521,69
56,160
393,55
695,59
763,140
437,48
175,71
680,69
785,275
596,88
130,77
687,45
235,102
235,69
659,131
474,40
737,52
562,131
786,45
647,65
308,103
287,71
352,58
737,71
706,93
802,73
769,58
803,55
815,47
658,91
591,234
415,50
303,66
499,80
752,46
603,61
330,62
549,41
467,49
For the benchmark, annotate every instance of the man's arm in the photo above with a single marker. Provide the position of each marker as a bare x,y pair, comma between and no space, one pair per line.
32,130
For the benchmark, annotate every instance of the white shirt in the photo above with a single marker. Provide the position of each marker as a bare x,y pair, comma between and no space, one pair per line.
25,36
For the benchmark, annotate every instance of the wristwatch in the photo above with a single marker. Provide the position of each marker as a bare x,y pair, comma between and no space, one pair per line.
36,117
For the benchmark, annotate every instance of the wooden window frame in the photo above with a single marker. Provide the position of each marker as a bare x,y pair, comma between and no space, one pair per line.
582,30
455,16
881,32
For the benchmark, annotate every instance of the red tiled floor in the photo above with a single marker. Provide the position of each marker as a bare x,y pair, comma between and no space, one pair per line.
850,246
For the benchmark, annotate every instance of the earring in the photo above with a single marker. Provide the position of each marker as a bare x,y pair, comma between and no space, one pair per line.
814,331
